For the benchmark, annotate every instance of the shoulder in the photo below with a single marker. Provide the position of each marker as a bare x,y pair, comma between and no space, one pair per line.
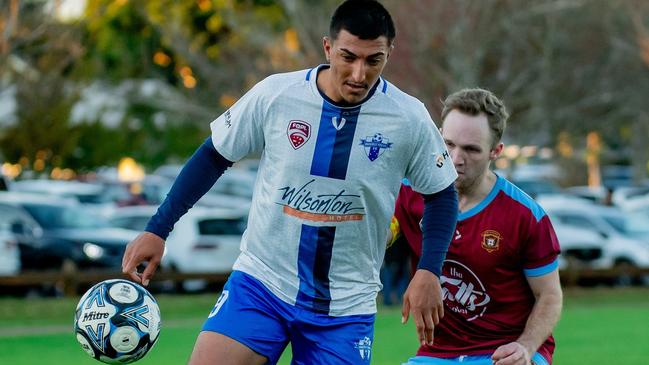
285,79
529,205
277,83
397,99
272,88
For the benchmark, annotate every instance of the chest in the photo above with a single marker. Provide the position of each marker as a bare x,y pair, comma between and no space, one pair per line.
489,240
314,137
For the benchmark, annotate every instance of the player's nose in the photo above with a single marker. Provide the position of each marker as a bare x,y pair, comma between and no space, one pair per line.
456,157
358,72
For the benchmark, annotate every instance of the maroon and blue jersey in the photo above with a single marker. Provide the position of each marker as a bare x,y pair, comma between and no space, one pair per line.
496,246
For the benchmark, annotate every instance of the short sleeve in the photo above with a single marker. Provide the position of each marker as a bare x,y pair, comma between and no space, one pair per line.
541,249
239,132
430,169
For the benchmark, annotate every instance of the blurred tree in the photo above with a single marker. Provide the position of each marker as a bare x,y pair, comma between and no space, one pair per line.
149,76
98,75
36,57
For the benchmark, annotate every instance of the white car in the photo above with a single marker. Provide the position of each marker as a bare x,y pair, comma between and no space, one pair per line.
203,240
9,252
581,227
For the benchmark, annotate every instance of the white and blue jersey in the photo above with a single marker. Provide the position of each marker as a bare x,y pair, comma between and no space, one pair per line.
327,184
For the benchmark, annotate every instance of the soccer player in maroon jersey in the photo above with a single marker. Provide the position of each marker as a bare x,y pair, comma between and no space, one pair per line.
500,281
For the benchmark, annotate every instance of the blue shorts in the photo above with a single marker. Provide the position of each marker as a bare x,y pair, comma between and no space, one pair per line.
249,313
537,359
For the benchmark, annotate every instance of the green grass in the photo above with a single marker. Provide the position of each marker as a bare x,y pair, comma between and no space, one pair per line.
598,326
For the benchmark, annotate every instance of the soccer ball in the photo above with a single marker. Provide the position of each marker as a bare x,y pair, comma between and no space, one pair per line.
117,321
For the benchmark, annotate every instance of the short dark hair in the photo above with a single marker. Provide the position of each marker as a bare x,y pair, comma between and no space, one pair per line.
476,101
366,19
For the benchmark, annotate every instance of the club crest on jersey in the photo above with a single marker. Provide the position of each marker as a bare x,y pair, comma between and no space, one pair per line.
298,133
375,145
491,240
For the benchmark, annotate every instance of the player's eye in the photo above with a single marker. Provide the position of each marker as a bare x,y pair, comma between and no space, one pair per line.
374,62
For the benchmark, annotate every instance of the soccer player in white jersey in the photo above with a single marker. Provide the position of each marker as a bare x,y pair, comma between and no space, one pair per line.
335,142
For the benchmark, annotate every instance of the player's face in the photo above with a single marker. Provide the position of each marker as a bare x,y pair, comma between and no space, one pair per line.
469,142
355,66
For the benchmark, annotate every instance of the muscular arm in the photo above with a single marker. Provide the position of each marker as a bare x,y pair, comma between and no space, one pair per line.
546,311
544,316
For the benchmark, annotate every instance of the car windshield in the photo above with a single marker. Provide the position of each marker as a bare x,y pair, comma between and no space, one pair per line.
57,216
222,226
629,224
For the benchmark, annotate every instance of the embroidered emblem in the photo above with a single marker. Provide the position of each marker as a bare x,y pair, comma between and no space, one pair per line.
338,124
491,240
298,133
375,145
364,347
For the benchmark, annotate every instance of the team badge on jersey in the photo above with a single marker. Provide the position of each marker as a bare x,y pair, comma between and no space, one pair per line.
375,145
491,240
298,133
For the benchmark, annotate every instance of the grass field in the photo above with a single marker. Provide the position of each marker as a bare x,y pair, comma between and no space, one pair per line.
598,326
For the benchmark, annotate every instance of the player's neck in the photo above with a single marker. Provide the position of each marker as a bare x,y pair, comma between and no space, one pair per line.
475,194
323,81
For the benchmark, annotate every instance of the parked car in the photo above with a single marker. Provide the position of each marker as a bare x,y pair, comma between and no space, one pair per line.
616,233
51,231
9,252
203,240
222,194
537,187
238,182
100,198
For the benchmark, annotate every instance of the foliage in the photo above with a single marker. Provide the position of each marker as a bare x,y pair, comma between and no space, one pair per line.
563,68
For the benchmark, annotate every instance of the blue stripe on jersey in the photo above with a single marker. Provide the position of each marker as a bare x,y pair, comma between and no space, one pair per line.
333,146
545,269
314,260
385,85
308,74
520,196
511,191
488,199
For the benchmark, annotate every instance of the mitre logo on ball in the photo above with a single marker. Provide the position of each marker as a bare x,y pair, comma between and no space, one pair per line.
298,133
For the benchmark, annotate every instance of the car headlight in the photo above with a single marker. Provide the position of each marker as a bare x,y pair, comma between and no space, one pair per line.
93,251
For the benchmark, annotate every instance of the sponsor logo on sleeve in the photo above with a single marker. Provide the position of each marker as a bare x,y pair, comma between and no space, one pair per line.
440,158
228,118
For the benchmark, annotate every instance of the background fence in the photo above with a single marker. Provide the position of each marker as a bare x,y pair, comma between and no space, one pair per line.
69,280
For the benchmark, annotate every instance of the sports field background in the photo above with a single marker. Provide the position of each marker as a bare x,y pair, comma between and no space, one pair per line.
598,326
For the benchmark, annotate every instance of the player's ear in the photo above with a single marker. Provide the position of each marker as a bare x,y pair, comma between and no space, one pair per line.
326,45
390,49
496,151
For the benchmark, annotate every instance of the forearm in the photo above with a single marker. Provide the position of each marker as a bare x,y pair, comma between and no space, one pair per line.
438,225
195,179
542,320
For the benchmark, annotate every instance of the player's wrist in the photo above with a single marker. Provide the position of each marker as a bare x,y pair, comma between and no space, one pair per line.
527,347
